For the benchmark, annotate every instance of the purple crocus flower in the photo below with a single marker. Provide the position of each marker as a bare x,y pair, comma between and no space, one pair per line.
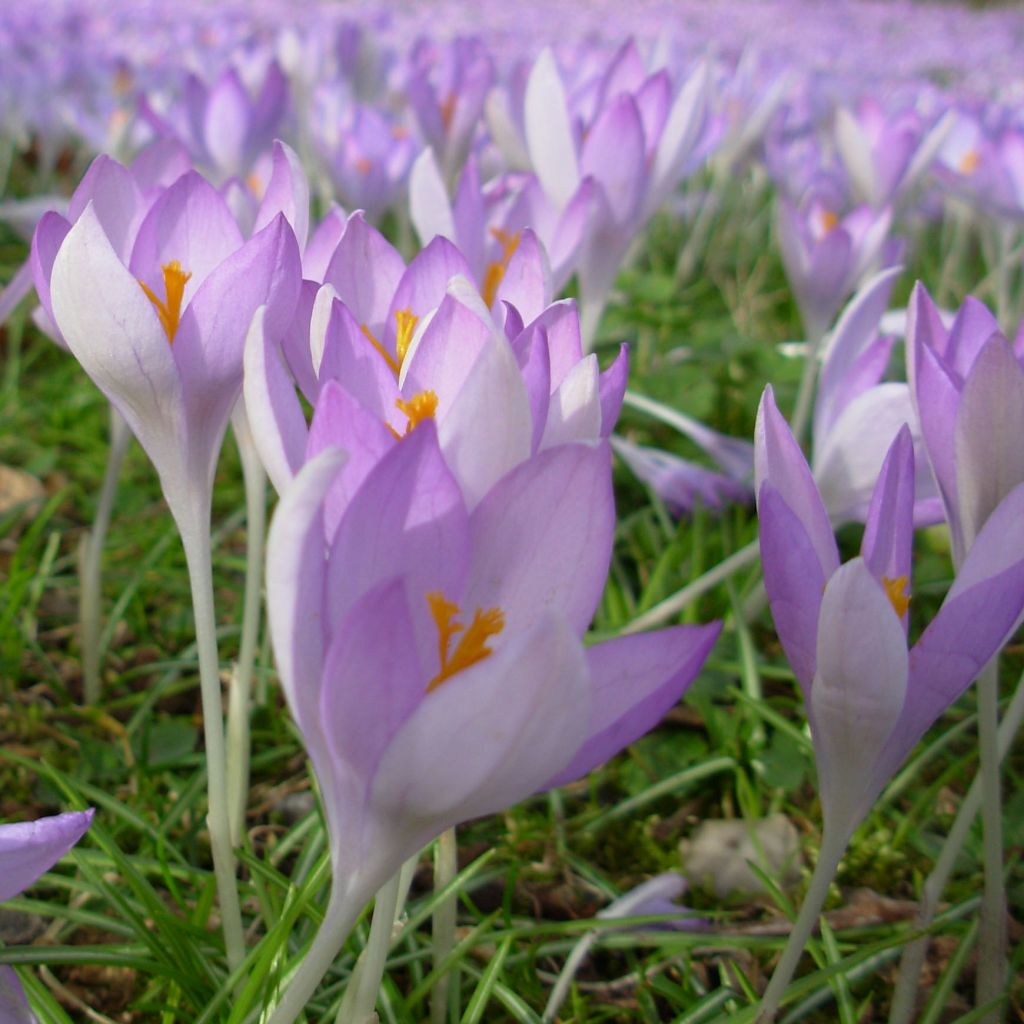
844,627
968,387
28,849
468,622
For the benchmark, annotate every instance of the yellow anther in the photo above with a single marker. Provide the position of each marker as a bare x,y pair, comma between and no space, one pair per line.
406,321
829,221
896,591
472,646
169,312
495,272
420,407
256,185
969,162
385,354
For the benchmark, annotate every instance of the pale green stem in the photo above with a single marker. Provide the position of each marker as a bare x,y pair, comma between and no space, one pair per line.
673,605
801,418
195,538
338,921
90,594
446,866
992,931
240,704
907,985
828,860
695,242
361,995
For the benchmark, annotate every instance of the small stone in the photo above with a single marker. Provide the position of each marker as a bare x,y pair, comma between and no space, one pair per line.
295,806
18,488
717,855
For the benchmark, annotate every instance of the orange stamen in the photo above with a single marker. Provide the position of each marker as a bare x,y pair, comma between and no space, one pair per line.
829,220
969,162
362,165
896,591
406,320
169,312
448,112
385,354
420,407
495,272
472,646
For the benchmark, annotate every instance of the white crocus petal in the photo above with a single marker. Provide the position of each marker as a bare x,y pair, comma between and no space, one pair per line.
549,136
113,330
430,209
492,734
489,429
855,151
850,456
318,324
575,410
989,435
929,148
860,684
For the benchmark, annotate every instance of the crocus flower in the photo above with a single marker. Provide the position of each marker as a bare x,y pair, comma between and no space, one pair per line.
844,628
968,387
468,623
27,850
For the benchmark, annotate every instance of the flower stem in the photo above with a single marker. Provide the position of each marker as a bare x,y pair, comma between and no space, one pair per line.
828,860
914,952
697,588
338,921
992,931
195,537
239,706
361,996
90,595
446,867
801,418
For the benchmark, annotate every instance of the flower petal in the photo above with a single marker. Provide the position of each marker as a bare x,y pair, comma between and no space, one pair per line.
29,849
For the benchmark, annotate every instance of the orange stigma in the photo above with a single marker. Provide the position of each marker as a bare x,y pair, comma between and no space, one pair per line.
406,320
969,162
472,646
420,407
363,165
448,112
169,312
896,591
829,220
495,272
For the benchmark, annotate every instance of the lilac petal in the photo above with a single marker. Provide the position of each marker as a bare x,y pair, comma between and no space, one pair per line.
470,216
47,239
375,642
860,679
280,426
794,579
210,342
536,370
446,353
296,587
189,223
424,283
923,328
506,725
989,428
295,343
541,539
488,430
14,1008
322,243
565,347
614,154
340,420
288,193
225,123
430,209
29,849
574,412
113,331
365,270
116,201
778,459
653,100
160,164
855,152
549,136
973,326
268,110
613,390
889,528
634,681
513,324
407,518
527,279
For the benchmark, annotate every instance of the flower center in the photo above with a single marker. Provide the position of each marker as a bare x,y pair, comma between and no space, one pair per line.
472,645
406,321
897,592
420,407
169,311
495,272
